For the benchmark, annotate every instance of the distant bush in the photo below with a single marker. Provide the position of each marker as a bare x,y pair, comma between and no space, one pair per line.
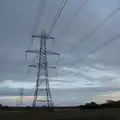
91,105
1,105
108,104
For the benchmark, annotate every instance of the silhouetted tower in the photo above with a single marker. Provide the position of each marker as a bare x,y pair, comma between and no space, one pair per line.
42,83
20,100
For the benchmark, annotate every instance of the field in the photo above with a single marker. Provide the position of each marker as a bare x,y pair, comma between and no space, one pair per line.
61,114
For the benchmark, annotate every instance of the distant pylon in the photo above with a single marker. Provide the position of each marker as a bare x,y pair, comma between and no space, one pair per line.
20,99
42,90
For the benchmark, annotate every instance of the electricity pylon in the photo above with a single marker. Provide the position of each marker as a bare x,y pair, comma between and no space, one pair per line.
42,82
20,100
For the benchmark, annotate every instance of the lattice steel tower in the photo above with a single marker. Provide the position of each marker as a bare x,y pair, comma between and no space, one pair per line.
42,82
20,99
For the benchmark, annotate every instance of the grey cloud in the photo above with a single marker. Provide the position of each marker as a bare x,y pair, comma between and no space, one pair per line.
5,91
16,24
65,96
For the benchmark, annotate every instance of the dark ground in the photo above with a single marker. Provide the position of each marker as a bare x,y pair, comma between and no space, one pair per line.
60,114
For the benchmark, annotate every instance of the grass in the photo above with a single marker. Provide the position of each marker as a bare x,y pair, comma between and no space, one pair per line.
61,114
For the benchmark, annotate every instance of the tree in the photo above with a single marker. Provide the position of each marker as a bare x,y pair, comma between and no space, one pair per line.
1,105
110,101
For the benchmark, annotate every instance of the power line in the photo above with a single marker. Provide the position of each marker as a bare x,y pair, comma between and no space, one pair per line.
39,15
106,43
57,15
38,18
72,20
99,48
74,17
93,31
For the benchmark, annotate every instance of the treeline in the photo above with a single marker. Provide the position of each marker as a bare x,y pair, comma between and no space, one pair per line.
91,105
108,104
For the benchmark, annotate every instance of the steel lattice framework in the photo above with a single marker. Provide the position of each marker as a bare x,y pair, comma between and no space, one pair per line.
20,99
42,83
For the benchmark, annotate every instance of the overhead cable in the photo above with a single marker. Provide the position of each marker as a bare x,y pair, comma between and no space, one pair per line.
92,32
38,19
57,15
99,48
39,15
67,28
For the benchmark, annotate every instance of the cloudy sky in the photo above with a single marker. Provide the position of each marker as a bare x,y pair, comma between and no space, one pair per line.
96,78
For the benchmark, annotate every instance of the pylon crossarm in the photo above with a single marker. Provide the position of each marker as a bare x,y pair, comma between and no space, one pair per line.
36,66
42,66
42,36
41,101
44,101
38,52
52,53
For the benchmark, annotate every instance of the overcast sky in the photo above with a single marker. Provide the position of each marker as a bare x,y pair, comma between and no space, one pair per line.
96,78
